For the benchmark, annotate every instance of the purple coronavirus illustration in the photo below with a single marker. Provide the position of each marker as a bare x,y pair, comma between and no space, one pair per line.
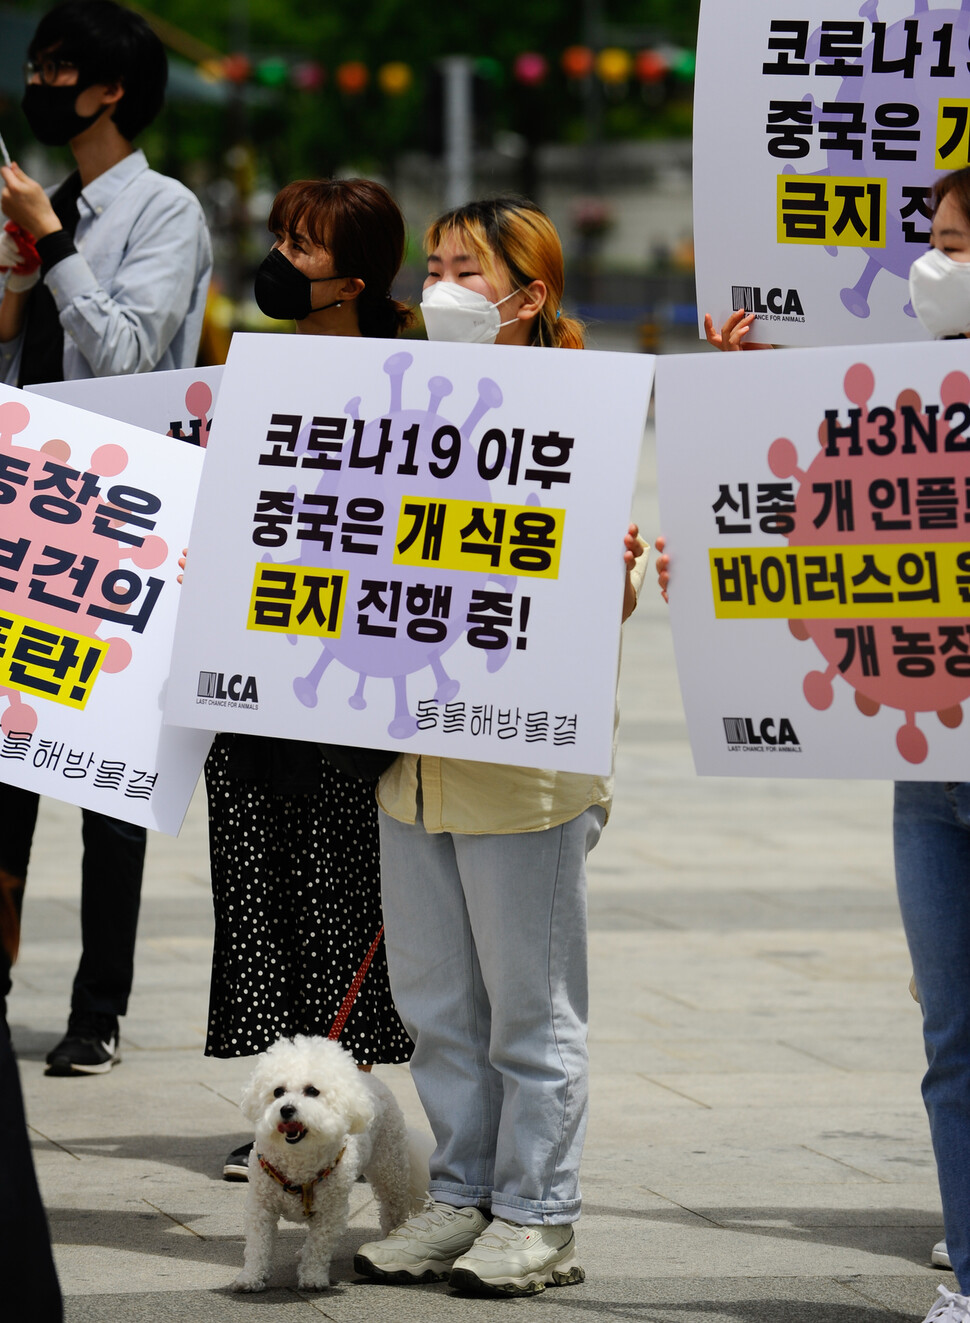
429,606
896,115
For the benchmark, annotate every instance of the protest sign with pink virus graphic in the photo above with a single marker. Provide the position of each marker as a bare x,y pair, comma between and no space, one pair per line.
834,497
87,607
885,474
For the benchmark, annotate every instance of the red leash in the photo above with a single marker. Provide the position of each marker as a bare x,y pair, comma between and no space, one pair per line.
337,1028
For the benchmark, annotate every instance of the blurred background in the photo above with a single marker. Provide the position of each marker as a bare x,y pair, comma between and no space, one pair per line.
582,105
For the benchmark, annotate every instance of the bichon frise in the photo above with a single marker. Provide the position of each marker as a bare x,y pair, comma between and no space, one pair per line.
319,1123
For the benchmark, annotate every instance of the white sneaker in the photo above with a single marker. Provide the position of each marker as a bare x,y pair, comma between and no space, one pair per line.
423,1248
940,1257
509,1259
950,1308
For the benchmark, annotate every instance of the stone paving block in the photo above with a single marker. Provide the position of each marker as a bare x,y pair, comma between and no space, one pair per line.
186,1307
729,1054
822,1090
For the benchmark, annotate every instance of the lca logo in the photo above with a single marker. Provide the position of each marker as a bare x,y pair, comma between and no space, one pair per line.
767,734
776,304
215,688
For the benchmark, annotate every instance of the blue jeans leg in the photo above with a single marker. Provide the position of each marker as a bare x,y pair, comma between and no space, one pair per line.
931,833
437,988
486,940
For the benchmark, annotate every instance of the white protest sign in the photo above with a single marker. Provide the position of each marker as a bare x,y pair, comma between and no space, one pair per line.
413,547
817,510
819,129
178,403
95,514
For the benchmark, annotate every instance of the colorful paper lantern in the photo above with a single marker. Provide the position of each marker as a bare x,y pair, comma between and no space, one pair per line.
577,61
530,68
352,77
237,68
489,69
273,72
395,78
684,64
213,70
614,65
650,66
309,76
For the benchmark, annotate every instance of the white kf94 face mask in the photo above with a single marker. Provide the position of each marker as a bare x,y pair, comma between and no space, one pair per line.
939,290
452,312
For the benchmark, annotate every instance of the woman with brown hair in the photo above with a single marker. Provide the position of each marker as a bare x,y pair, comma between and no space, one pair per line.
293,839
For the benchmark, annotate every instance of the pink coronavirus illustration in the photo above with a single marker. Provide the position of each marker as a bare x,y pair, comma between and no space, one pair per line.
198,402
431,443
69,540
894,474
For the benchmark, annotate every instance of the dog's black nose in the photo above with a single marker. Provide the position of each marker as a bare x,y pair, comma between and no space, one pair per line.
287,1113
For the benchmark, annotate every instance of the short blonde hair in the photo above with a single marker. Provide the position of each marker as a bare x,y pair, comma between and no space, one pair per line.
957,186
511,237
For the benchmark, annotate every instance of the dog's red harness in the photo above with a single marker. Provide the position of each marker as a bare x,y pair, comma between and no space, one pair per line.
291,1187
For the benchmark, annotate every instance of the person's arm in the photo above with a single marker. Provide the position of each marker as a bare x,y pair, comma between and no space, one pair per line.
23,201
128,326
635,561
732,334
20,269
663,565
13,310
730,337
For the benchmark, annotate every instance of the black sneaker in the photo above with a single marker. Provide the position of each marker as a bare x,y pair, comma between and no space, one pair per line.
90,1047
236,1166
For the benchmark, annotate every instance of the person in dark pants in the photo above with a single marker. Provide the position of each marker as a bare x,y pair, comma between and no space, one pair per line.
30,1286
111,872
108,275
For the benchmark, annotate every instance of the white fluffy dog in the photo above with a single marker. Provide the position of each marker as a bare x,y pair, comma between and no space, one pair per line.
319,1123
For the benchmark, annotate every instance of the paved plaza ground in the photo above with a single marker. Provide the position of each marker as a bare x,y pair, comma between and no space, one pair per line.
757,1149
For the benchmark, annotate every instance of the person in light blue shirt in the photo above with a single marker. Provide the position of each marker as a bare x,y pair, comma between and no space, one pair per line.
124,252
107,275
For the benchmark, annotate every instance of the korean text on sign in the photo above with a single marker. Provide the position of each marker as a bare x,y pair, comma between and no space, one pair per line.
841,582
47,661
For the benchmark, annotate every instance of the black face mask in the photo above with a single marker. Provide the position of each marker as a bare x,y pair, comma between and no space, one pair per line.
51,115
283,292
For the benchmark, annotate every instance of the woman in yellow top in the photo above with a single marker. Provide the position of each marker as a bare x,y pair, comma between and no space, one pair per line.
484,892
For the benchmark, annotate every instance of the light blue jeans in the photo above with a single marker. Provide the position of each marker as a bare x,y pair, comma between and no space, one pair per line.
486,950
931,831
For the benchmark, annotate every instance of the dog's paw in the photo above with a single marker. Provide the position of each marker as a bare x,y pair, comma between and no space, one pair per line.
248,1282
313,1281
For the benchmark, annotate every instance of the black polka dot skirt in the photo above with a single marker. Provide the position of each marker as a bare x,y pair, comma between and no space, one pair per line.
296,893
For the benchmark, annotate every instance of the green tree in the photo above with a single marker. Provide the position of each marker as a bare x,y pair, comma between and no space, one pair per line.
302,132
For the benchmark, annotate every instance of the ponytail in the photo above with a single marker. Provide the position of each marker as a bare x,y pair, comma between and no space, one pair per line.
383,317
559,331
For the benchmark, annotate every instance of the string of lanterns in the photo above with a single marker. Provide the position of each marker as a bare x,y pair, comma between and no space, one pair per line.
613,66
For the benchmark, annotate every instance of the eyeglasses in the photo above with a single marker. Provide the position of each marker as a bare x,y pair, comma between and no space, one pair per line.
48,69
